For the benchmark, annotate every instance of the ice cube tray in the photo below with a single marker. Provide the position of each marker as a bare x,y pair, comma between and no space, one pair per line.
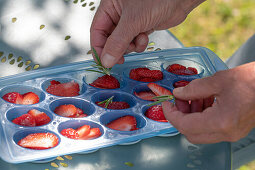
206,62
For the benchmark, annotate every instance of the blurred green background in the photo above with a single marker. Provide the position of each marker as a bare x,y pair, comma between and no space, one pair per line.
222,26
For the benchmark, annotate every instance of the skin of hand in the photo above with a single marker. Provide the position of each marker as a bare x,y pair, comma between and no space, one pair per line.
232,115
122,26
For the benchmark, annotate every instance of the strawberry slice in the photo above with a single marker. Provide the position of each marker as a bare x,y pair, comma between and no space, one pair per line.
181,70
117,105
13,97
145,74
155,113
25,120
68,110
30,98
39,141
94,133
125,123
52,82
81,116
158,90
106,82
181,83
133,74
83,131
70,133
41,118
64,89
145,95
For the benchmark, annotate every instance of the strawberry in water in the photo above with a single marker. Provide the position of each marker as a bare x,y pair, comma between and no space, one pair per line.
39,141
83,131
155,113
145,95
181,70
118,105
13,97
181,83
68,89
158,90
67,110
70,133
145,74
25,120
30,98
80,113
125,123
106,82
41,118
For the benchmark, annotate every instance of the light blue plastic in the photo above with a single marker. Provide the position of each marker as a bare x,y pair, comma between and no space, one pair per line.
98,116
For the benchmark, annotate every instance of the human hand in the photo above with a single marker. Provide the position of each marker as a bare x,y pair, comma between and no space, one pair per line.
122,26
232,115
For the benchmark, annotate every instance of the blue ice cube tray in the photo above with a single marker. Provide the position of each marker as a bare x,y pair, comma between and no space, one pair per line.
204,60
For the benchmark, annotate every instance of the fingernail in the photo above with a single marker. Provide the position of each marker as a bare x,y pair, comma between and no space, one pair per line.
108,60
178,90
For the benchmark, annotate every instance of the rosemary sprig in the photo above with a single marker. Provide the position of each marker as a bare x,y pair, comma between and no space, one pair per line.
99,68
161,99
107,101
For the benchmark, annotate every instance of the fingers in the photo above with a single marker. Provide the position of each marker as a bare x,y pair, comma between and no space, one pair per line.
195,123
117,44
197,89
196,106
182,106
206,138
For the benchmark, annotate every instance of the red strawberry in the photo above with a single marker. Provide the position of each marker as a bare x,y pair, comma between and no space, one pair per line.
83,131
39,141
52,82
106,82
68,110
70,133
64,89
181,83
94,133
145,74
13,97
80,113
158,90
25,120
145,95
133,74
115,105
155,113
181,70
41,118
125,123
30,98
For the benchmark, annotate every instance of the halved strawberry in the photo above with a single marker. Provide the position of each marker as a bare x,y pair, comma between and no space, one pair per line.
70,133
145,95
106,82
67,110
125,123
147,79
83,131
181,70
52,82
155,113
145,74
64,89
133,74
181,83
41,118
158,90
30,98
117,105
39,141
94,133
13,97
25,120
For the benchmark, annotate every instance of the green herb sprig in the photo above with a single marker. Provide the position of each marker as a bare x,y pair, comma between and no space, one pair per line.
161,99
98,65
107,102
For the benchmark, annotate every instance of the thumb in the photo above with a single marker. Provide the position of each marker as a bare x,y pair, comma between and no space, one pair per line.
197,89
117,44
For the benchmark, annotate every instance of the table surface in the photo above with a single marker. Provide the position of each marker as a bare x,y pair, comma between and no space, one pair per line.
33,34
